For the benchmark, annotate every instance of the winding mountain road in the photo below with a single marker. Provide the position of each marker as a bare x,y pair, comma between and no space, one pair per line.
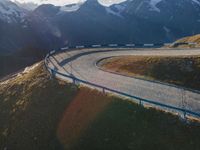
82,64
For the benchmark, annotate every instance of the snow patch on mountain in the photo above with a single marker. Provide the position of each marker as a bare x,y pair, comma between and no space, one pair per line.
139,6
10,12
166,29
116,10
26,5
153,4
120,8
196,1
115,13
70,8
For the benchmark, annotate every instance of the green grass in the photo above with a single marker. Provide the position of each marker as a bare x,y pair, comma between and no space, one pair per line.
37,113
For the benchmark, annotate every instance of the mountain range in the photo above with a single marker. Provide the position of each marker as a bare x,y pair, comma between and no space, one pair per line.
132,21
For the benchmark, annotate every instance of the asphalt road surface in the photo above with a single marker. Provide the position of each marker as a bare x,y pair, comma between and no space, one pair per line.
82,64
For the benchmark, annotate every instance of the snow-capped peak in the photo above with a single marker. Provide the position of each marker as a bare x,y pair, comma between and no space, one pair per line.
71,8
10,12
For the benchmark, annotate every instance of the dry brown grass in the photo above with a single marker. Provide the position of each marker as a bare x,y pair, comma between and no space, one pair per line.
31,106
184,71
128,64
189,39
195,39
37,113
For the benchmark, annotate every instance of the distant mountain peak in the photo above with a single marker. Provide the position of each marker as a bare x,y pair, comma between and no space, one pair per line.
11,12
47,10
71,7
27,5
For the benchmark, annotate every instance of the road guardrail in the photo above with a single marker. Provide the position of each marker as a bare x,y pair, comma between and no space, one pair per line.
183,112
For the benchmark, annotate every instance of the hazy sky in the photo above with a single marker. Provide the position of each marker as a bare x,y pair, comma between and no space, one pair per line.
64,2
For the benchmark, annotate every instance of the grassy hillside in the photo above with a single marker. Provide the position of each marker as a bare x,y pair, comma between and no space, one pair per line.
183,71
189,39
37,113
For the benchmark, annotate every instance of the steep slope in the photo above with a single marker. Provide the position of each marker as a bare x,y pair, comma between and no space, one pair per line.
92,24
38,113
132,21
167,16
20,29
10,12
12,24
139,21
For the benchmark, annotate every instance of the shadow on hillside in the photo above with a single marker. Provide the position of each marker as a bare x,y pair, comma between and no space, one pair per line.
41,114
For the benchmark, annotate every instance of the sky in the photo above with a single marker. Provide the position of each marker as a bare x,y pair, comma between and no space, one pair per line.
64,2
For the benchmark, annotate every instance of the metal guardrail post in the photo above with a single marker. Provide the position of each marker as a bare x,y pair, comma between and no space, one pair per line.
104,92
184,115
184,104
140,103
52,74
74,80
